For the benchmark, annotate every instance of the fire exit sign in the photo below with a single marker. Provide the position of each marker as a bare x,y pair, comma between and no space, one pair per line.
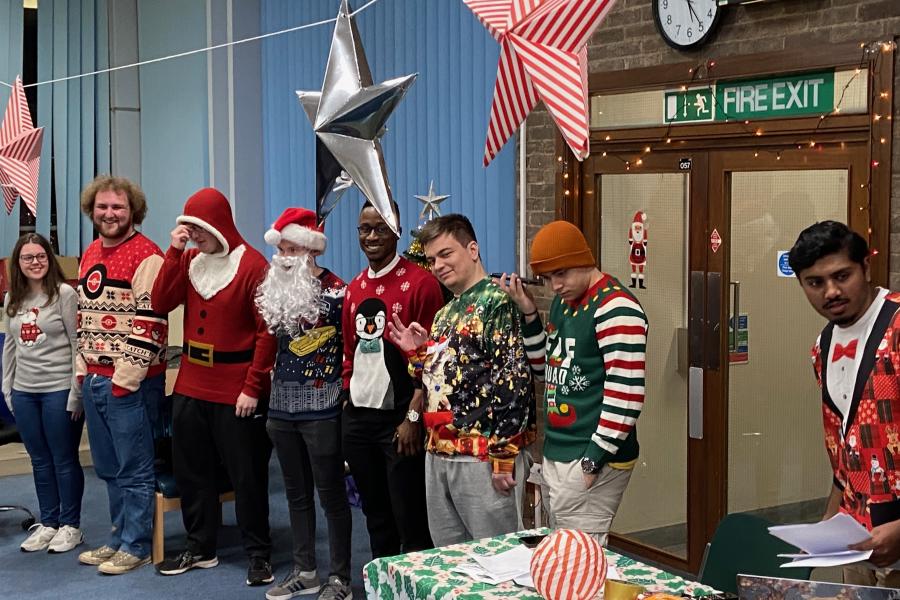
751,99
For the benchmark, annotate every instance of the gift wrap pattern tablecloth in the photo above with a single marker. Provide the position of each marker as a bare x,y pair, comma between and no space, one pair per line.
426,575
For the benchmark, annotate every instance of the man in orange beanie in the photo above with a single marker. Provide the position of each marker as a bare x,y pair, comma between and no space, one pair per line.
591,355
222,389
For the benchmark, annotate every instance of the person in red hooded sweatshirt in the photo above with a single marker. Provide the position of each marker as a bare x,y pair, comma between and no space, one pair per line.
223,383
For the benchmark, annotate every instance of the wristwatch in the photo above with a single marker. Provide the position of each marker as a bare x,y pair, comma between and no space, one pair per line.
412,416
591,467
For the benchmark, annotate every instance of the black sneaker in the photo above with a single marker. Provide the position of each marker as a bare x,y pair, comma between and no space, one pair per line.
185,562
259,572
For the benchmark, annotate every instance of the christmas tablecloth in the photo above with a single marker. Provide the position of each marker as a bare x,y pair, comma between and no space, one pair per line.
426,575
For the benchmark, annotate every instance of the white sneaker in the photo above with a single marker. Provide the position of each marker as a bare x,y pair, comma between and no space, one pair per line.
65,539
39,539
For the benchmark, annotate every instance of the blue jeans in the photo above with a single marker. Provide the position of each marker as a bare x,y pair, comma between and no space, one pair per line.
51,438
120,431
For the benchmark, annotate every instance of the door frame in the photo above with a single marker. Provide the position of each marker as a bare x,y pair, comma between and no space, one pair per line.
787,138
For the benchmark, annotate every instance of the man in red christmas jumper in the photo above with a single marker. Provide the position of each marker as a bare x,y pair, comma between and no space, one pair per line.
381,426
121,362
856,360
223,383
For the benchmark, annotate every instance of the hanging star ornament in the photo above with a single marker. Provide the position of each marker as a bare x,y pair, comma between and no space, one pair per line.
431,203
20,152
348,117
543,56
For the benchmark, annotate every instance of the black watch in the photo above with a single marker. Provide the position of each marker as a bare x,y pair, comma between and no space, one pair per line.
589,466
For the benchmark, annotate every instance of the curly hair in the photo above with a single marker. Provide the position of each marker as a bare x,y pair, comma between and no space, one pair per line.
132,191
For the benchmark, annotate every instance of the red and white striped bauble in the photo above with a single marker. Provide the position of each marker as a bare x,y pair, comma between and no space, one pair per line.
568,565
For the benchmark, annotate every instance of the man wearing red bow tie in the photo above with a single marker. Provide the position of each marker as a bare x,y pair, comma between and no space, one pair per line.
857,361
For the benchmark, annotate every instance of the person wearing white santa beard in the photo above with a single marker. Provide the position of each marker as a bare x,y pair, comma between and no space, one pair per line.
302,303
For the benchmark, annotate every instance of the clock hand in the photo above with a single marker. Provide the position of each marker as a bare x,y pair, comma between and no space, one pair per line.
693,13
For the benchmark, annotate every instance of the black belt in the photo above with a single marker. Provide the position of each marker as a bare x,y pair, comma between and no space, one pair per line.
206,355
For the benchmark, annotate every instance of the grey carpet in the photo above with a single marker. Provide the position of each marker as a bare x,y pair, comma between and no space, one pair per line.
48,576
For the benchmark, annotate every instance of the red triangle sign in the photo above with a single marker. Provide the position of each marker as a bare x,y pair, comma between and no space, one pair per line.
715,240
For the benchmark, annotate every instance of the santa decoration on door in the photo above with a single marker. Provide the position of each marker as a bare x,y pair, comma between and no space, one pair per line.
637,241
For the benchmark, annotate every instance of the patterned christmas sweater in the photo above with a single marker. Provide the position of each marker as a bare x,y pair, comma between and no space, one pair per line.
306,380
476,378
119,335
375,370
865,453
593,361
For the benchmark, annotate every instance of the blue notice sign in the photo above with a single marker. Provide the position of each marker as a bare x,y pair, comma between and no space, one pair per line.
784,269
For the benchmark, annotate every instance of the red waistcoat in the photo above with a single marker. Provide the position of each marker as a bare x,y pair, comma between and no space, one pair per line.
865,456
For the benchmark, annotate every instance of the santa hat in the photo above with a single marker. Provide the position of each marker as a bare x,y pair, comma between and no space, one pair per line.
298,226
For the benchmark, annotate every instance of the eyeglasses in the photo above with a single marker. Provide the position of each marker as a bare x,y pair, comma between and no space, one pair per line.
30,258
380,230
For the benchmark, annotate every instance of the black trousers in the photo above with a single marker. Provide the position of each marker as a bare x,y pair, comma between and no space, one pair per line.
310,452
392,486
205,433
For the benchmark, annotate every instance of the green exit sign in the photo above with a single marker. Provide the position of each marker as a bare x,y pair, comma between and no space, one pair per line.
751,99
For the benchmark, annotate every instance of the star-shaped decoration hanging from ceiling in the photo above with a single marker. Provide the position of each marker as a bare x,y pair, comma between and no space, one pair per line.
431,203
348,116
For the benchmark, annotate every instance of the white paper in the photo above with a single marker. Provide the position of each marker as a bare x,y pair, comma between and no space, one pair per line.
824,543
507,565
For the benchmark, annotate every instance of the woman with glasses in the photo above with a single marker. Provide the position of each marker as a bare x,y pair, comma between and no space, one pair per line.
39,387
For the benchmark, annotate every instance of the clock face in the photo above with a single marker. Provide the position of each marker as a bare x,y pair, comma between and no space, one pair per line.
685,23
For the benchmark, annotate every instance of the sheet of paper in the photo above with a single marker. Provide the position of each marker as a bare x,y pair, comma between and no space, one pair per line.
824,537
829,560
507,565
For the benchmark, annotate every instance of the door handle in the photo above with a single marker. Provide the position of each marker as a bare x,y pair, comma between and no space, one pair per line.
712,339
735,316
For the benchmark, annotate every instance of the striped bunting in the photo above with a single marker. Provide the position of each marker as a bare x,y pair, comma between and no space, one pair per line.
543,56
20,152
568,565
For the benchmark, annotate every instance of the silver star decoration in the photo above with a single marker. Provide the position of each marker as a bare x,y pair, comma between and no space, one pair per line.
348,117
432,203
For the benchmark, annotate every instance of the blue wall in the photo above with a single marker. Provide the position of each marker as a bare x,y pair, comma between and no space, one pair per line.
437,132
174,149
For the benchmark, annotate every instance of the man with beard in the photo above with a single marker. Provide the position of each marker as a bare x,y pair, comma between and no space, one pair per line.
121,365
856,360
301,302
223,383
381,424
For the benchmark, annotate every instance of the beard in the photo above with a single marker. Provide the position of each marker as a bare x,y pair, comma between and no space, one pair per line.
288,298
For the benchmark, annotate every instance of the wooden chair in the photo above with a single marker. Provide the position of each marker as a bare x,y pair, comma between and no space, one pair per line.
168,500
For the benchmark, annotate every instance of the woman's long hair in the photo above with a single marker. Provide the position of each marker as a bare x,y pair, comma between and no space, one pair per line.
18,283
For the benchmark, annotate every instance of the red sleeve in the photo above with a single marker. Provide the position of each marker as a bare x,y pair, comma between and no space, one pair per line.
348,330
258,381
170,287
427,300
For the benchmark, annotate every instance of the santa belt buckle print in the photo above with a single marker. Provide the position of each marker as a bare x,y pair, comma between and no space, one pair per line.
206,355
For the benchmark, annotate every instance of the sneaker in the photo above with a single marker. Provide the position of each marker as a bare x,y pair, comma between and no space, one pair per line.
185,562
122,562
65,539
97,556
335,589
295,583
259,572
39,539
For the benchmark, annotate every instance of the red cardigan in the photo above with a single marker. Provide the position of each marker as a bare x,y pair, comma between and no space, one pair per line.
227,326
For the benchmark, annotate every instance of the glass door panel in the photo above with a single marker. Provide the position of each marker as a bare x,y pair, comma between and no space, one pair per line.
777,464
654,509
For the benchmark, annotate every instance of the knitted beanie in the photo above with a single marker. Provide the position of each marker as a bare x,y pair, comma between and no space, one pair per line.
559,245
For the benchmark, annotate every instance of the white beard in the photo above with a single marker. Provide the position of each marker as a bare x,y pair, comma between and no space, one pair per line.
289,295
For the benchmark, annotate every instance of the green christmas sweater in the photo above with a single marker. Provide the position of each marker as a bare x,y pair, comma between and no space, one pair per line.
593,364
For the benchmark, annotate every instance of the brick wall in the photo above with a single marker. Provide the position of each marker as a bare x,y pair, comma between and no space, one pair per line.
628,39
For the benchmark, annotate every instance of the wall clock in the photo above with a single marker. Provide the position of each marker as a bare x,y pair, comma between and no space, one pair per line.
686,24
